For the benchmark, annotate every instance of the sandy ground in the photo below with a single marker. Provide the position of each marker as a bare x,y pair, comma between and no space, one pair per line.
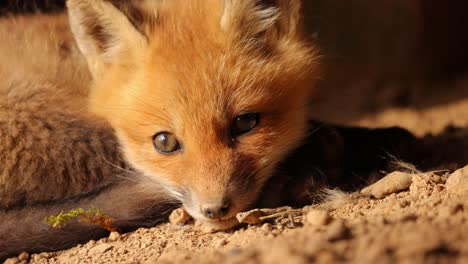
411,217
424,223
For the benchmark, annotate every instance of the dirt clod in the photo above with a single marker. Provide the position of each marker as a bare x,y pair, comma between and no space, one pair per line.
392,183
457,183
114,236
179,217
24,256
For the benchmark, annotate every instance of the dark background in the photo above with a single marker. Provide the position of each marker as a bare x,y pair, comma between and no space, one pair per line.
30,6
389,53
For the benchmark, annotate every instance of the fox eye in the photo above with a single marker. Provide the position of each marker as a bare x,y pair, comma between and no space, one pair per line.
166,143
244,123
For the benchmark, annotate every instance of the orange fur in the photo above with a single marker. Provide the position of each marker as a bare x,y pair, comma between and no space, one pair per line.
189,68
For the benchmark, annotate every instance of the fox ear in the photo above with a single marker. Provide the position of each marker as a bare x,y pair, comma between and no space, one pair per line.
103,33
273,19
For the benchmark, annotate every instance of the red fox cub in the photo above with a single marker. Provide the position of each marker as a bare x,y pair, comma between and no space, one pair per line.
206,98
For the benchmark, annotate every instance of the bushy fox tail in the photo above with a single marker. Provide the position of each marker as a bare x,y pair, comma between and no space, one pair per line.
130,204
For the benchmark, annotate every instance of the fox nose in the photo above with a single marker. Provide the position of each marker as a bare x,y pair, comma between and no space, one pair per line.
216,210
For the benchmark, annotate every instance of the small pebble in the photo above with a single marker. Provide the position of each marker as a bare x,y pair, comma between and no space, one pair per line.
179,217
276,232
24,256
266,227
207,229
144,245
45,255
457,183
37,257
114,236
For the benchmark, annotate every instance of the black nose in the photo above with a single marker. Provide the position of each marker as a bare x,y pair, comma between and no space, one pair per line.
216,210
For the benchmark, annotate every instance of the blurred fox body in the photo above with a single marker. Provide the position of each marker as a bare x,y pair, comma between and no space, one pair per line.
54,154
206,97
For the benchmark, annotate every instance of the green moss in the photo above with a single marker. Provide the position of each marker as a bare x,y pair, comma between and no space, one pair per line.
93,215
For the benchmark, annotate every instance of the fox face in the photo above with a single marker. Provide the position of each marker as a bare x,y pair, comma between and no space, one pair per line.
206,96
